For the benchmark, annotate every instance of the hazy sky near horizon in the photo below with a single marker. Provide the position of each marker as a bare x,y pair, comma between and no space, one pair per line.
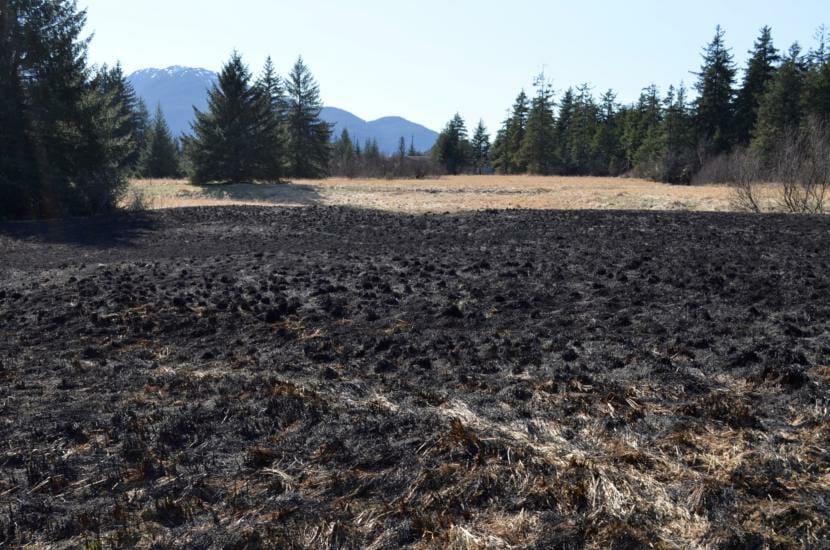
426,60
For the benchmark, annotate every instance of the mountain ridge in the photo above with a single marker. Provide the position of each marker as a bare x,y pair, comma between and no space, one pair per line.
178,89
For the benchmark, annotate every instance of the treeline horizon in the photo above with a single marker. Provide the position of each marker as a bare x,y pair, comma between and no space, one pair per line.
669,137
71,134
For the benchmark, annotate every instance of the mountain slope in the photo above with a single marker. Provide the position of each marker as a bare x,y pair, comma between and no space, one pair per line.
179,89
387,131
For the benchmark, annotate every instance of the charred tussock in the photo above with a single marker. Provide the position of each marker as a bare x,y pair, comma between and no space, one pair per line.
335,378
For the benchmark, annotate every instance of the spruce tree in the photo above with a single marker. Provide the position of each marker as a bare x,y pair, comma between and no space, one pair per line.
639,124
143,127
582,129
567,112
60,152
669,152
371,151
161,159
507,146
817,85
499,155
270,84
412,151
681,161
309,137
344,155
606,146
781,109
452,149
480,148
538,148
759,71
220,147
272,137
130,128
715,102
401,148
516,134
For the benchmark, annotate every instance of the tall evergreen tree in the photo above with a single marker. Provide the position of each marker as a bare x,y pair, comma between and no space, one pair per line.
309,137
781,108
817,85
344,156
606,147
669,151
371,151
580,136
499,155
452,149
236,139
129,132
480,148
272,107
538,148
639,122
60,151
270,84
401,148
508,144
759,71
143,125
412,151
567,112
715,102
161,159
679,147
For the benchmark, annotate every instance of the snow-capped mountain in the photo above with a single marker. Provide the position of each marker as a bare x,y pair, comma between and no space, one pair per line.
178,89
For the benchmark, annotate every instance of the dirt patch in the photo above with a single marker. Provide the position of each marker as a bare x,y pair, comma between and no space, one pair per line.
450,194
331,377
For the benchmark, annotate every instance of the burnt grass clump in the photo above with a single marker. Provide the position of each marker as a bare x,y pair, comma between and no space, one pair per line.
327,377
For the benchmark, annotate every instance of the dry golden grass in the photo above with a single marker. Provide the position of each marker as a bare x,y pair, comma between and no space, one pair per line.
447,194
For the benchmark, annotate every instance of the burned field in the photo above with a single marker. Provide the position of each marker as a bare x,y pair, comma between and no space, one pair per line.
326,377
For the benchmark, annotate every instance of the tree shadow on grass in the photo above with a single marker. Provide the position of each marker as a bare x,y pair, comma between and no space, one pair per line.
117,230
265,193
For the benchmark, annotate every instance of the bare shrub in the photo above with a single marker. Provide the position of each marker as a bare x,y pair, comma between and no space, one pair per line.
802,165
798,171
747,170
137,200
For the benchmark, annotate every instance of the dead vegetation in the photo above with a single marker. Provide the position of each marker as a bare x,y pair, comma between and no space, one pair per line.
448,194
505,380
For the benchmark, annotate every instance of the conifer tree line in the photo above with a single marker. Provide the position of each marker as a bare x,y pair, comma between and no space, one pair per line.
667,137
351,159
260,129
72,133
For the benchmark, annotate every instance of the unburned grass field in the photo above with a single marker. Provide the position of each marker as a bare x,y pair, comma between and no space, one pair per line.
446,194
331,377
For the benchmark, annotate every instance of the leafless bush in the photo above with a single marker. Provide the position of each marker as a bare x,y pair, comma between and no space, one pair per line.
798,171
802,165
138,200
747,170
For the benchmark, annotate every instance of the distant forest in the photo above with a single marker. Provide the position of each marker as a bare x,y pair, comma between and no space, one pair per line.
667,137
71,134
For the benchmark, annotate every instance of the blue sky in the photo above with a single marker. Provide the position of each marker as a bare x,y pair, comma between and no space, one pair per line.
426,60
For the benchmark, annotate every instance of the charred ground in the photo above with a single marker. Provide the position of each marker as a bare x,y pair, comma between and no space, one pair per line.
327,377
